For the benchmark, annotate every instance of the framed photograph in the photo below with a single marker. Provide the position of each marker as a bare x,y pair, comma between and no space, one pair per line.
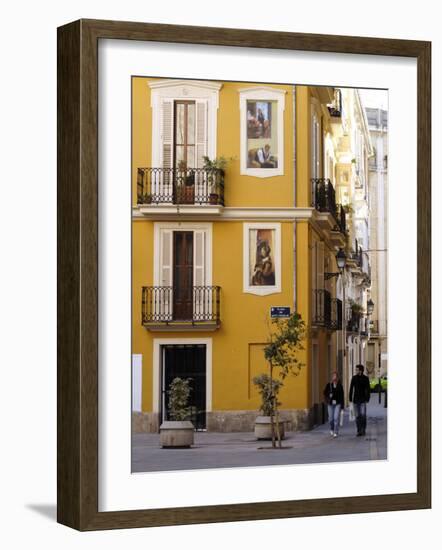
233,305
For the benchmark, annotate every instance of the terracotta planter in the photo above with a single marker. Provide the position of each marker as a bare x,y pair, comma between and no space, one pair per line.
176,433
263,428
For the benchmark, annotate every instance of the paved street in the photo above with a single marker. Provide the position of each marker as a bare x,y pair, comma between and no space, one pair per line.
221,450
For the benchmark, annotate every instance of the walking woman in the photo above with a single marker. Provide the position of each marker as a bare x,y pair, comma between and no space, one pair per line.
334,397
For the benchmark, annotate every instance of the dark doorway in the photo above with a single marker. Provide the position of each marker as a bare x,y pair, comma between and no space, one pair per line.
186,361
182,275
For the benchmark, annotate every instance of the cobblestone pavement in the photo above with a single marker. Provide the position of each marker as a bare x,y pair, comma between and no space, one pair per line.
239,449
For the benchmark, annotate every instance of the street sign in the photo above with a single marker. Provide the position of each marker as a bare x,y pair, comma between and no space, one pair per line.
280,312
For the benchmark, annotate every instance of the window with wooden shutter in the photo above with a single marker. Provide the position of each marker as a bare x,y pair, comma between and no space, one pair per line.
163,184
166,133
201,298
164,302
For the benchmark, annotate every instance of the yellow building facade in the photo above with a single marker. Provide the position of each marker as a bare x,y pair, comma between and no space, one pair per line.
216,244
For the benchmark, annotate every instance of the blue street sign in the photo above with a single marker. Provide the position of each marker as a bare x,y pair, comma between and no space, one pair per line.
279,311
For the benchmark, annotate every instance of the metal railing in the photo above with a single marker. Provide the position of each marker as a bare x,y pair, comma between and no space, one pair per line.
324,200
354,321
336,314
356,254
174,186
158,305
321,308
335,109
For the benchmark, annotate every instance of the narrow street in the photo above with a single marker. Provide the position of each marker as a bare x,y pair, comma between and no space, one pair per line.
240,449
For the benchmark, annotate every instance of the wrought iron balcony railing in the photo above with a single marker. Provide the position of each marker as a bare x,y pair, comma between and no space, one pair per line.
354,322
356,254
198,186
335,108
166,304
324,200
336,314
322,308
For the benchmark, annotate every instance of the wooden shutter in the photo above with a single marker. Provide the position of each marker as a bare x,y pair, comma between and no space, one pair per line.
164,301
201,296
164,183
166,133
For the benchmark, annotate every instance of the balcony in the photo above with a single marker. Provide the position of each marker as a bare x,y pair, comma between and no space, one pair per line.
165,308
322,308
359,262
336,314
327,311
331,215
335,107
354,322
171,190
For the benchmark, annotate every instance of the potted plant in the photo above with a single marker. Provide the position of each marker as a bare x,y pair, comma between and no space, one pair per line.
185,184
280,352
269,395
178,431
215,168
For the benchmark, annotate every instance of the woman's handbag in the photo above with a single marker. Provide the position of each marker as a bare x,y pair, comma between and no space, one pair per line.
341,418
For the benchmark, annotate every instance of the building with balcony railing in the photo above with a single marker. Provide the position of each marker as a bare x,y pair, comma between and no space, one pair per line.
378,188
226,229
174,308
191,186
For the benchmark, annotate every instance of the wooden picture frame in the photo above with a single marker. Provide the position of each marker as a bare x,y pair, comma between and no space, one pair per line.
77,225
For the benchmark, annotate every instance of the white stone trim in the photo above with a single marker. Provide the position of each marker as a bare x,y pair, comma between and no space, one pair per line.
183,89
264,93
159,227
140,212
156,364
262,290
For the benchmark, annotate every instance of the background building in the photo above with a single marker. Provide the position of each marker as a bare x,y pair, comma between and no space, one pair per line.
378,184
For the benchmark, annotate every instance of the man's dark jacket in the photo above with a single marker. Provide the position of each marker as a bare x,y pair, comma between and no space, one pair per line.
359,389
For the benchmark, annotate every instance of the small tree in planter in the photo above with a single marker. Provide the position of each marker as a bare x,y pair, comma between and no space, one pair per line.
179,393
178,431
268,390
281,354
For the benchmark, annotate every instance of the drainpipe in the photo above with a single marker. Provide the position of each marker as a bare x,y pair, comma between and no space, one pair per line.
294,201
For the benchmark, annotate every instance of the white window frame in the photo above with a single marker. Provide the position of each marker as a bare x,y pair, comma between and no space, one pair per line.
262,290
192,90
261,93
160,227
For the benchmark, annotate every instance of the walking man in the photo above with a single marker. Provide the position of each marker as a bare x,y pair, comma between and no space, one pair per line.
359,396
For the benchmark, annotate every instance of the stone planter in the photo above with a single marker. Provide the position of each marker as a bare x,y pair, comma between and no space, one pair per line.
176,433
263,428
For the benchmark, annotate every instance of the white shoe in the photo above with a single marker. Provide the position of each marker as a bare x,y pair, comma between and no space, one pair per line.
331,432
335,435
